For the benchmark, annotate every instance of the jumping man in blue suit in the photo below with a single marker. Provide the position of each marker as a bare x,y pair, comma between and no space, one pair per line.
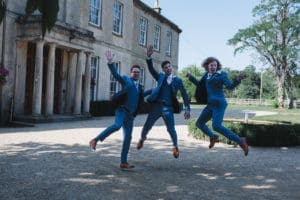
214,80
163,101
131,98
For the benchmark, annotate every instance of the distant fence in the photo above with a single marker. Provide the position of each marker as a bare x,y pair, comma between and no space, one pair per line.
257,102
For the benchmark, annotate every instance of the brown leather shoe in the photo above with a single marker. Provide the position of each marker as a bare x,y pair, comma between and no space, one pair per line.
244,146
140,144
213,141
175,152
126,166
93,144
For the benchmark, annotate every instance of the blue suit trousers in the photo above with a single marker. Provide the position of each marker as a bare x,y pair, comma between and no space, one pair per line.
157,111
217,115
125,120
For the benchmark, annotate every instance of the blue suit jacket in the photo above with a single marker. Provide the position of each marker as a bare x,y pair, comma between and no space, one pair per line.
215,86
129,97
176,85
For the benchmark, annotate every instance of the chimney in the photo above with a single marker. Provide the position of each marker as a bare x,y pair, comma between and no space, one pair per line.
156,7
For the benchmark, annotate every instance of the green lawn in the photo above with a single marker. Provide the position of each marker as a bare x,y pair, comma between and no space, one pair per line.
283,115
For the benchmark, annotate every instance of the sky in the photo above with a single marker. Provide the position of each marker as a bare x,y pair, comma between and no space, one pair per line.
206,26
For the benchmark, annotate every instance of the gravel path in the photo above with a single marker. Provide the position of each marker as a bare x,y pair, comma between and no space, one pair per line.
53,161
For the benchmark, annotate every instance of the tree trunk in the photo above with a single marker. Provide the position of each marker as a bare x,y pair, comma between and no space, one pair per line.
289,91
280,91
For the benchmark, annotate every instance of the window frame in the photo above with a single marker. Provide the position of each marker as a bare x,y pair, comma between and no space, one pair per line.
95,60
142,76
99,16
156,37
117,18
143,28
169,43
114,85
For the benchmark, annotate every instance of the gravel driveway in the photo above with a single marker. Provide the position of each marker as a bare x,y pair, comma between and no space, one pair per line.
53,161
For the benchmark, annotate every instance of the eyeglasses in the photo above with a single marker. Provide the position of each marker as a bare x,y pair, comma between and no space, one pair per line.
135,72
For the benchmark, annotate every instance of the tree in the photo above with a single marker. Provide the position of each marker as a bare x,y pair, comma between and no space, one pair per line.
250,86
232,74
189,86
275,37
48,9
268,85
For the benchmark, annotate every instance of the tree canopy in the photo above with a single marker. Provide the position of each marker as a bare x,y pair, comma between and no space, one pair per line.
49,10
275,37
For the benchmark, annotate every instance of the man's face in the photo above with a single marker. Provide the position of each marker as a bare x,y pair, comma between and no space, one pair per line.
135,73
212,67
167,68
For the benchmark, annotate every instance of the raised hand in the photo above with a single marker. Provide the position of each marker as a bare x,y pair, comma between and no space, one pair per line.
149,51
109,56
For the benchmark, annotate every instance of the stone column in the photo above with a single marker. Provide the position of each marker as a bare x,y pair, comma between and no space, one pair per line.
20,77
78,84
38,79
87,84
49,100
70,82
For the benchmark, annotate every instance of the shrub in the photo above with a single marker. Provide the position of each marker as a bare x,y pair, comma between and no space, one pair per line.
257,134
107,108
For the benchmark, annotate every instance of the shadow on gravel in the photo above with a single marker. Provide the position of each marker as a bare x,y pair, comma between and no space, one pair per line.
57,171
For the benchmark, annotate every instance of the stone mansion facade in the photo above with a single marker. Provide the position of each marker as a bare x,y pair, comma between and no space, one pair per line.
60,73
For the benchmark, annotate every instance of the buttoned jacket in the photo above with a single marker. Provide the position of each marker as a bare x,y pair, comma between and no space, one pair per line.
215,86
175,86
123,97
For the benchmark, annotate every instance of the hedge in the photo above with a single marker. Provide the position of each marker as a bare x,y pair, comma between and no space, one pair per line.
257,133
107,108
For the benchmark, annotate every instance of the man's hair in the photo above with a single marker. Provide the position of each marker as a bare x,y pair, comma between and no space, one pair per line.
209,60
164,63
135,66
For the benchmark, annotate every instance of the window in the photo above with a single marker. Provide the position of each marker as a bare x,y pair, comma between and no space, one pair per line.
156,41
154,83
168,43
117,18
94,77
143,31
142,76
95,12
115,86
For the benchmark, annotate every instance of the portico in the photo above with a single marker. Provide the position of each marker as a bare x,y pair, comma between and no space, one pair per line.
54,72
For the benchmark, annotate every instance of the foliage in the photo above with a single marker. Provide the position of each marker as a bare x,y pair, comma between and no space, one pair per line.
2,9
257,134
232,74
49,10
296,82
250,86
275,37
269,85
189,86
107,108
